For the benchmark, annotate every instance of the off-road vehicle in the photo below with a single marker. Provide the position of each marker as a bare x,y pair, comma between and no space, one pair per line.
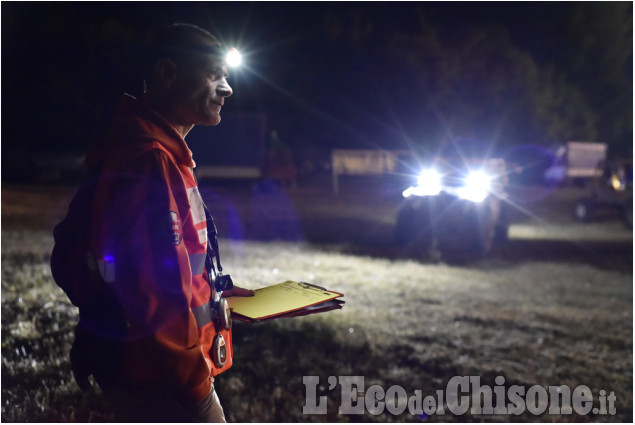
610,190
456,205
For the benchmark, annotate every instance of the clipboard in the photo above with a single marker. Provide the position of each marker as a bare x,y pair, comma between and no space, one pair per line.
285,299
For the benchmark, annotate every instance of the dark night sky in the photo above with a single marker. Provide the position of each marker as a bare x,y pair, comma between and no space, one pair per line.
64,64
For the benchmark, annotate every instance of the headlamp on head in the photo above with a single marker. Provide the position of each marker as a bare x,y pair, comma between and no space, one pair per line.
233,58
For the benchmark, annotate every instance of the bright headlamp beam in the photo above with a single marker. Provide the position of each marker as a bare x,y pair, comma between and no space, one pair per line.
233,58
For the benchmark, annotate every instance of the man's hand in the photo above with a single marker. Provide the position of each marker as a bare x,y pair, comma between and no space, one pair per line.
238,292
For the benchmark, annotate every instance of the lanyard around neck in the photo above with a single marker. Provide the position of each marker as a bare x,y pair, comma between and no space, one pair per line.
218,280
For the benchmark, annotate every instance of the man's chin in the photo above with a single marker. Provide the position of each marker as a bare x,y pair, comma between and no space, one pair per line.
210,121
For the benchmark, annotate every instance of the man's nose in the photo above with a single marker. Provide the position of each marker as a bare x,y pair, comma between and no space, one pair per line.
224,89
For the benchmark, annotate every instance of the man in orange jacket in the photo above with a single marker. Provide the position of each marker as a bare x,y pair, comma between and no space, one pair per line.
153,329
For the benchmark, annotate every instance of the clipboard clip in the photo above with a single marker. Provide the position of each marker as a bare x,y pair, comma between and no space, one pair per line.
312,286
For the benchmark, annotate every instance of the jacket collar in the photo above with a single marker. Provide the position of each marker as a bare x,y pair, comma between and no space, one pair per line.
136,123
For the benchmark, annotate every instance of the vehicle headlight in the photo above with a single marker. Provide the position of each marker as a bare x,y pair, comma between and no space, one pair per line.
428,184
477,186
430,178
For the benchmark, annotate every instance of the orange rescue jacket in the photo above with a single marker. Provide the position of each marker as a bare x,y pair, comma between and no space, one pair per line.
149,244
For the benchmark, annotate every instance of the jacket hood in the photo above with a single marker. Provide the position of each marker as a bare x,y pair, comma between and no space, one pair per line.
135,125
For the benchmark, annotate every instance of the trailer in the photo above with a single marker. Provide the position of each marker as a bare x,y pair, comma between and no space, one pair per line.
611,189
364,162
576,161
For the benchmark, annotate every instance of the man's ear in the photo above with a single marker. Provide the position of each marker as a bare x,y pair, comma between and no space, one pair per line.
165,72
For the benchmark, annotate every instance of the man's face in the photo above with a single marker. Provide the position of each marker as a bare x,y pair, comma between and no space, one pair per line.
200,90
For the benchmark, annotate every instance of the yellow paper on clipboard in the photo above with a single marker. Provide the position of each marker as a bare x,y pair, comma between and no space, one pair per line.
280,299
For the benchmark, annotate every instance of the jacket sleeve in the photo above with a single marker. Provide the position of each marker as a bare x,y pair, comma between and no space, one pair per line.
152,274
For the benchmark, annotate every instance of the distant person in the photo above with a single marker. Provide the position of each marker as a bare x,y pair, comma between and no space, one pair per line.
136,251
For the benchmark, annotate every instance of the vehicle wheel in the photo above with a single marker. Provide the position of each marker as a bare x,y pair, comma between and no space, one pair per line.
583,210
413,227
474,244
475,238
501,231
487,223
627,214
406,222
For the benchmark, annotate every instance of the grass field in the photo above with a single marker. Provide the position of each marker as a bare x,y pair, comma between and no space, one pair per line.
555,307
